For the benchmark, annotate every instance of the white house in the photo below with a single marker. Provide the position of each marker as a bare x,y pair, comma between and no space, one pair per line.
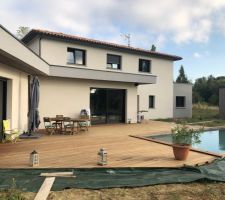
114,81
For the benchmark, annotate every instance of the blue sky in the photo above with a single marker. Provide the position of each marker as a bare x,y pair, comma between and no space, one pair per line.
192,29
201,59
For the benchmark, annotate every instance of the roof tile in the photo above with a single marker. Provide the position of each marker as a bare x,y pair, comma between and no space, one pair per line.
34,32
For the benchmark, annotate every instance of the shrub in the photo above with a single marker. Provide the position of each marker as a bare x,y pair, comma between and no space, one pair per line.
184,135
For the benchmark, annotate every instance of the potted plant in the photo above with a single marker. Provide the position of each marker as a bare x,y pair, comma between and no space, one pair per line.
183,137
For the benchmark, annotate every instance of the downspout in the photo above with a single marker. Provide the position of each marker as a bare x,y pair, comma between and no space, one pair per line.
40,47
19,110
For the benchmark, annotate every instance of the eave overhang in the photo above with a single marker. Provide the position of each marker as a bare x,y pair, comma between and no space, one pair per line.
91,74
14,53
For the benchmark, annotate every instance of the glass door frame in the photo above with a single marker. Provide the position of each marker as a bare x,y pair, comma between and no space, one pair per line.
124,106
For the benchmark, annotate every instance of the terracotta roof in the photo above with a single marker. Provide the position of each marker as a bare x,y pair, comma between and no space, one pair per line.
35,32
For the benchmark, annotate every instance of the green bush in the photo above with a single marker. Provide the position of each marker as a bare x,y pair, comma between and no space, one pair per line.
184,135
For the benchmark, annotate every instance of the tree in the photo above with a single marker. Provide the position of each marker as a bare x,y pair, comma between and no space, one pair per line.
200,90
22,31
182,78
206,89
153,48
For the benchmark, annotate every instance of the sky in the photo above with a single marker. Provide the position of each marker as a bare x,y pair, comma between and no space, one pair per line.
192,29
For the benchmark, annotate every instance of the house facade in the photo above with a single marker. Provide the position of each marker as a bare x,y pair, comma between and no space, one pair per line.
113,81
17,62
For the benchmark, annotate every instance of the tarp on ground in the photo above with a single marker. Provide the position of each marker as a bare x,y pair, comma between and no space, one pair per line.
99,178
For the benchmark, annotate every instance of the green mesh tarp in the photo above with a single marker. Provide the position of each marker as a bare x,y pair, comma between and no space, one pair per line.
98,178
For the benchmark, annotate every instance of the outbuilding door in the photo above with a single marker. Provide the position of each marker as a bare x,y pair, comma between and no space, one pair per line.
107,105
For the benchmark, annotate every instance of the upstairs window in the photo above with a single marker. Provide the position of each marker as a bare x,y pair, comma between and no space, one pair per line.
151,101
113,61
144,65
76,56
180,102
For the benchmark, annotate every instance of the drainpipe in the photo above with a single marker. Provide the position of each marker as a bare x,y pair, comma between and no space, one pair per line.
40,46
19,110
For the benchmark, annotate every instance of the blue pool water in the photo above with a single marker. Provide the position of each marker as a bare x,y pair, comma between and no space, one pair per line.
212,141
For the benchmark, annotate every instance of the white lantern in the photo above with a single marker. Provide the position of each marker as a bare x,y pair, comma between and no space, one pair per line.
34,159
102,157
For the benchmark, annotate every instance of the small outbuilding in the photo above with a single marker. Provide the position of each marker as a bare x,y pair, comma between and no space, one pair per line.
222,102
182,103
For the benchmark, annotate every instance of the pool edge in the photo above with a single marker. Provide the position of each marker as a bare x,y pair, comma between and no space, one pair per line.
168,144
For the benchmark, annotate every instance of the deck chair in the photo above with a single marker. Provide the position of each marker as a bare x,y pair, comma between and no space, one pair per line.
49,127
10,135
69,126
59,123
84,114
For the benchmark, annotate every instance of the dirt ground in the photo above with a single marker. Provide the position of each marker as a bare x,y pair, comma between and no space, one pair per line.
196,191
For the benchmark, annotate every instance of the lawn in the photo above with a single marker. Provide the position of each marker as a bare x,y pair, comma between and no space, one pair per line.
201,115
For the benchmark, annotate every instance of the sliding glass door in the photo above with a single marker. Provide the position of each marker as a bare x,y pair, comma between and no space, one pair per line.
3,86
107,105
98,106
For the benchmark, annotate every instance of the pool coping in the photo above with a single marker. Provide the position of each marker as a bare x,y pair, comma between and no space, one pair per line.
143,137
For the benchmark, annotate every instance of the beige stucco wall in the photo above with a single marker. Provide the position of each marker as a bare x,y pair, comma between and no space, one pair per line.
34,45
68,96
55,53
181,89
162,90
96,59
17,96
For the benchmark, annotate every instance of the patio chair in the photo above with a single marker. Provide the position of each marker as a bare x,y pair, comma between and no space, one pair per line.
49,126
84,114
58,123
69,126
10,135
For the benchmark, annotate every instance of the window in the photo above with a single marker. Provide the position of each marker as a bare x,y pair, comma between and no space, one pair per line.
76,56
144,65
113,61
151,101
180,102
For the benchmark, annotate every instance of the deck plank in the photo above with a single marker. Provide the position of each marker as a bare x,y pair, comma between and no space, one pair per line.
45,189
80,150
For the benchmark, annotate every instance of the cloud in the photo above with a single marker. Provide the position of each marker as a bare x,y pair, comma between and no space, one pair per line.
148,21
197,55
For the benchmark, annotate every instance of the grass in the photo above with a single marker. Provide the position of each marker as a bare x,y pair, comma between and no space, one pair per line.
201,114
215,123
12,193
204,113
197,191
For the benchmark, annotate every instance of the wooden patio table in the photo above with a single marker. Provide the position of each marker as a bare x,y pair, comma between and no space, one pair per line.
74,120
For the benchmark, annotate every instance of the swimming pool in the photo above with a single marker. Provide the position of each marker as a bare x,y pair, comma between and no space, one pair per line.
212,140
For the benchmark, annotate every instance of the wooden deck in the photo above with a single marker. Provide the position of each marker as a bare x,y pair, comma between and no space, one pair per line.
81,150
